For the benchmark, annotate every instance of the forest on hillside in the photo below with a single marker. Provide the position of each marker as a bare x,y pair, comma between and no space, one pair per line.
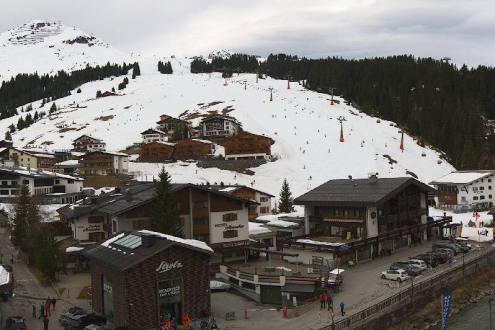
441,104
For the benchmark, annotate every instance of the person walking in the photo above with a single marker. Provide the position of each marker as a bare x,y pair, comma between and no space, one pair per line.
322,300
330,303
42,311
54,302
34,311
45,322
47,307
342,306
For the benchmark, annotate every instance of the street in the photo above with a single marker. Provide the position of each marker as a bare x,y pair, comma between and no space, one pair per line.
29,292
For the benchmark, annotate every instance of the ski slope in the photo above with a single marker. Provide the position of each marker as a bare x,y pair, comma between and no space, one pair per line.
303,124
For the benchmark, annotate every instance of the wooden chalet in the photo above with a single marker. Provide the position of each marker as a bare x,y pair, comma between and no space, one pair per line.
156,151
86,143
192,149
245,145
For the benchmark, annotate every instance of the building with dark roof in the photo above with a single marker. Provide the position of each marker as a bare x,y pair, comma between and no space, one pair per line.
384,213
86,143
153,135
219,126
245,145
141,278
217,218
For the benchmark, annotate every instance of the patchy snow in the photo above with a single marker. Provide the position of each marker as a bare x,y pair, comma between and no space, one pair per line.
258,228
463,177
190,242
4,276
285,269
71,249
313,242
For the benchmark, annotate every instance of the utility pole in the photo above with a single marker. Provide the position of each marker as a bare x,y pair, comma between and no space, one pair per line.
341,119
288,81
331,91
271,93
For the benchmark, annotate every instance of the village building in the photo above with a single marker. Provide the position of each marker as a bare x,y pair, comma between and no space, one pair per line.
86,143
104,163
153,135
176,129
219,126
138,277
193,149
70,167
245,145
6,143
32,159
157,151
216,218
365,218
466,189
263,199
54,187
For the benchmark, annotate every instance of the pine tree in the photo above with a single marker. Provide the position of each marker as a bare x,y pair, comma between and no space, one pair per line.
45,252
136,71
286,202
53,108
8,136
21,226
165,217
98,93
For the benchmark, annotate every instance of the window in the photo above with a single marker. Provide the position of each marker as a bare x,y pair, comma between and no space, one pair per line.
490,196
489,180
489,187
25,181
57,181
482,197
230,234
264,209
229,217
475,188
482,188
4,183
263,199
4,192
475,198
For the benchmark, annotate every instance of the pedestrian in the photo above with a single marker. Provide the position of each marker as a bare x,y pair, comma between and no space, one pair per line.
34,311
330,303
47,307
42,311
342,308
12,260
322,301
54,301
45,322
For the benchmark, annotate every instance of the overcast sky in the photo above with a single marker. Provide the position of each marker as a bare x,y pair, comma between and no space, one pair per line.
462,30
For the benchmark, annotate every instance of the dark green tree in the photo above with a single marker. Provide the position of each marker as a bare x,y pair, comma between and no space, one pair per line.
45,252
286,202
165,217
136,71
20,230
53,108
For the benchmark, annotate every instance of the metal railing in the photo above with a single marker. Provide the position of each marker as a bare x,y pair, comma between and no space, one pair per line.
413,292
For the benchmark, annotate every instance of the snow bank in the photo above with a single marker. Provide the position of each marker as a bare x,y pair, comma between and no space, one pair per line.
4,276
71,249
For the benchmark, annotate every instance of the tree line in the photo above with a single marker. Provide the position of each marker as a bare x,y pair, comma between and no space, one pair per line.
25,88
441,104
236,63
165,67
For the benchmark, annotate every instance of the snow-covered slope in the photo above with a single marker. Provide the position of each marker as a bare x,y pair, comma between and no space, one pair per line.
303,124
46,47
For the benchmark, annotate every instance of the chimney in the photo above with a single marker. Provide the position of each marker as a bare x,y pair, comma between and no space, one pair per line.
373,178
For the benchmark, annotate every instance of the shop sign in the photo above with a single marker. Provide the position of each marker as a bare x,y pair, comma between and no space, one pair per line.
234,244
107,288
166,266
92,228
229,227
169,292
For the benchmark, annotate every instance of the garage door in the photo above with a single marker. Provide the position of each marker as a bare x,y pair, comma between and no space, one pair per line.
271,295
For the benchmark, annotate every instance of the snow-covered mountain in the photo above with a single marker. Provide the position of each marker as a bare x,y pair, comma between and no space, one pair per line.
46,47
303,124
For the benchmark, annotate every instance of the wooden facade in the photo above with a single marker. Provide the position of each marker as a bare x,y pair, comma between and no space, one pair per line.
245,145
156,152
192,149
87,143
103,163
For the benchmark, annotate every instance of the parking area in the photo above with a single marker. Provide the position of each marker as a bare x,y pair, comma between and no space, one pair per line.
362,287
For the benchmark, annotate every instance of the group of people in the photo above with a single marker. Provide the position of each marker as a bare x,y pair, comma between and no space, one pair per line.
326,301
45,311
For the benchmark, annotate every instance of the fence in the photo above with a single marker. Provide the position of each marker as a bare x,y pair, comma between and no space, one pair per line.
414,292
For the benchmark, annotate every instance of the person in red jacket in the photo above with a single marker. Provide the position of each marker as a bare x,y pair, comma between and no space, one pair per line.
322,300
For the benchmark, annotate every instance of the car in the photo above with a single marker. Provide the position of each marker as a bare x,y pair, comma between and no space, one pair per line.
463,246
398,275
71,313
429,259
418,263
15,323
442,255
79,322
448,252
410,269
447,245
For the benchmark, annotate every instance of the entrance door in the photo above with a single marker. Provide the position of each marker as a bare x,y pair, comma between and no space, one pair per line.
170,300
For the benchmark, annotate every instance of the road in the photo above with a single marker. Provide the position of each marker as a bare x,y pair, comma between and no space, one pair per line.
29,291
362,288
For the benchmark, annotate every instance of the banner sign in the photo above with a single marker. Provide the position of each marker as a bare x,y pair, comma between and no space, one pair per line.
446,302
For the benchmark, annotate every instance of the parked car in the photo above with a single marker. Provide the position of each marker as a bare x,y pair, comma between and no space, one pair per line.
410,269
15,323
429,259
398,275
464,246
442,254
71,313
447,245
79,322
418,263
445,251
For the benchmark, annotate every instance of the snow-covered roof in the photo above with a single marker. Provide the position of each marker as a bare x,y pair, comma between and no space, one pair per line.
258,228
313,242
4,276
191,242
70,162
462,177
271,217
282,224
70,249
38,173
